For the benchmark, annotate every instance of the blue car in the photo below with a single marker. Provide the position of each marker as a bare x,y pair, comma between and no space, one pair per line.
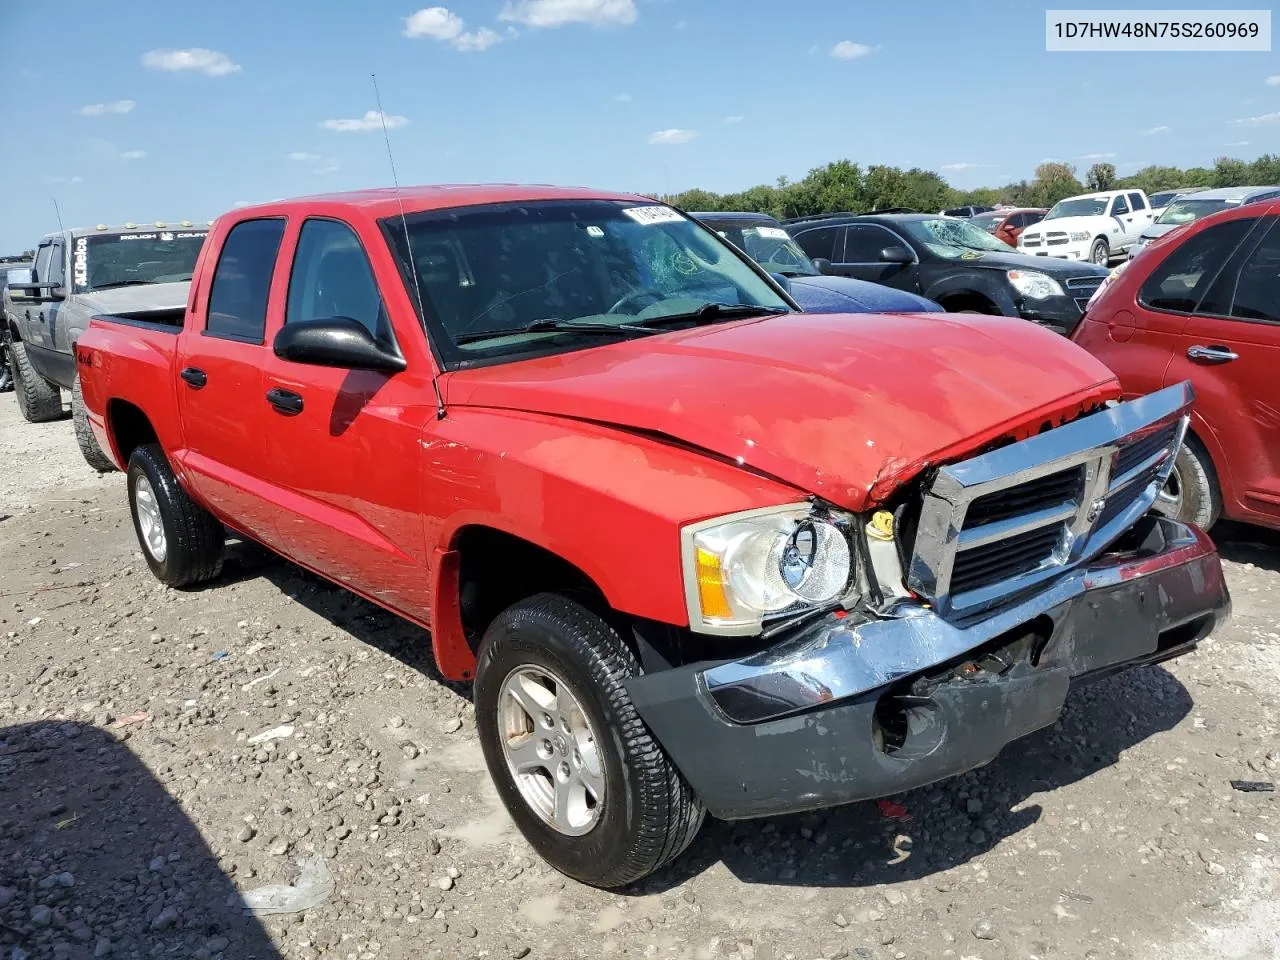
764,240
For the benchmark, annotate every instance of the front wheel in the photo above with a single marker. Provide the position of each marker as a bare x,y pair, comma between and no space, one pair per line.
1100,253
577,769
182,542
89,448
1191,493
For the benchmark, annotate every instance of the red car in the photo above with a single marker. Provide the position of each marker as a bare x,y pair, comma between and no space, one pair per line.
699,551
1007,225
1203,304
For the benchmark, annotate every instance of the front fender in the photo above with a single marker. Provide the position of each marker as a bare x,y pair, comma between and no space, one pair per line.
981,282
609,501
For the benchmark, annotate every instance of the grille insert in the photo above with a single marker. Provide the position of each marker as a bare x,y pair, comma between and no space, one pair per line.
1040,494
990,564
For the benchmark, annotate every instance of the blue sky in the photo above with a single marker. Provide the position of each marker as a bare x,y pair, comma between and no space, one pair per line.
143,109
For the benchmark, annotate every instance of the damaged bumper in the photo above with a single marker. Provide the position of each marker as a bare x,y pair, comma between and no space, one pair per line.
847,710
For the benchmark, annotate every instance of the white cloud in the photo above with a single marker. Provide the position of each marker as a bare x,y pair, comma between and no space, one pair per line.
319,164
557,13
1261,120
134,154
963,166
1273,80
622,98
437,23
1237,143
734,119
372,120
98,109
76,179
848,50
442,24
329,166
672,136
1096,156
1157,130
681,24
209,62
303,157
243,203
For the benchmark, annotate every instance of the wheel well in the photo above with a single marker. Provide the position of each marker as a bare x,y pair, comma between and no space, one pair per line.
497,569
129,428
968,300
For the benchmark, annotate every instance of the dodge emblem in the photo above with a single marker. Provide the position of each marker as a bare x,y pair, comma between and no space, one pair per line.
1095,509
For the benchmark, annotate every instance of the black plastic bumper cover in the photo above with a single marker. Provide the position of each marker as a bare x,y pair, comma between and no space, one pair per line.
937,722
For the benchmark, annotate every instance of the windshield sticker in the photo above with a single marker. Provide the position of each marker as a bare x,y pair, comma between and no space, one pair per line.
594,231
164,237
80,262
648,216
971,255
773,233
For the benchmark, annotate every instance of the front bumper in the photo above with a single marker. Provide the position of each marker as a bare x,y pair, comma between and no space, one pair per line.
1060,313
1073,250
846,710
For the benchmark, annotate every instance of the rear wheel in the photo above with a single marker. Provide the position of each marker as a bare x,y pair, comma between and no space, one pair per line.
38,400
93,454
182,542
1100,252
1191,494
6,374
576,767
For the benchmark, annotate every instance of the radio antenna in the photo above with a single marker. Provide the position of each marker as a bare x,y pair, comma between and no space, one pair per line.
408,241
61,228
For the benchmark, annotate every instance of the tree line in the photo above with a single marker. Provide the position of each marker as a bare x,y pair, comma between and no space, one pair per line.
846,187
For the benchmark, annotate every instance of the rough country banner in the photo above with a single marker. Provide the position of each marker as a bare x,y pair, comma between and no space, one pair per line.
1157,30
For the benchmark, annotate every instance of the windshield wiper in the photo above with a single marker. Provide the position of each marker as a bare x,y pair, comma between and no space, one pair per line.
123,283
554,324
710,312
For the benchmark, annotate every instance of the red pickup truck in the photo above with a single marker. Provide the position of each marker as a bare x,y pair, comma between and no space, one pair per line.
697,550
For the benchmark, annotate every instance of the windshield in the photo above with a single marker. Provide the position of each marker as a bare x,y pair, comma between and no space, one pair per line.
767,244
500,268
1162,199
953,239
125,259
1188,211
1080,207
988,221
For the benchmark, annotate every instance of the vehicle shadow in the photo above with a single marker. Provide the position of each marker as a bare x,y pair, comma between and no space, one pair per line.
365,621
1245,543
852,846
97,859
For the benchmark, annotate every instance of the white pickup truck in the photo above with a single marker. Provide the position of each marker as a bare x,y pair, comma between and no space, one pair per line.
1093,226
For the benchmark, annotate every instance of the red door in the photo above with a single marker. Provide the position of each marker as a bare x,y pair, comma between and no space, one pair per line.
342,450
1230,351
219,361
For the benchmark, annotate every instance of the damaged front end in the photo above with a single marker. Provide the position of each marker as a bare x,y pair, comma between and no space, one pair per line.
1026,569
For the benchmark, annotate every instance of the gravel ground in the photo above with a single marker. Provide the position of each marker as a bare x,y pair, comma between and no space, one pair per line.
164,753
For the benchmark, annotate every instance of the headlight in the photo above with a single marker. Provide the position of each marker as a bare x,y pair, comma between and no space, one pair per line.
1078,237
741,569
1034,284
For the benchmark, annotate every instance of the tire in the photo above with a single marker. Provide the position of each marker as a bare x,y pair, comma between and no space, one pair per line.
648,814
1100,252
38,400
6,373
189,545
1192,494
93,453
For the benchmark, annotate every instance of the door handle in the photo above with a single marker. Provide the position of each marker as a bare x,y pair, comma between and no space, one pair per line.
285,401
1212,354
194,376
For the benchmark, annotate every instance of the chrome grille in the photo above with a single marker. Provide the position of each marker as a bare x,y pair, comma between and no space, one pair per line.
1000,523
1056,238
1030,239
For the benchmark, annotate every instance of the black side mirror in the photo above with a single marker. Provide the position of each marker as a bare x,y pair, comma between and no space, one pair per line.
336,342
822,264
896,254
45,290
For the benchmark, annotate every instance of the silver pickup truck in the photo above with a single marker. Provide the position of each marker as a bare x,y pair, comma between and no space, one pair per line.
141,271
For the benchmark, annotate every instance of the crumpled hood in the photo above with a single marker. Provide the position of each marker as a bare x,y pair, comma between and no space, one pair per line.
151,296
845,294
844,406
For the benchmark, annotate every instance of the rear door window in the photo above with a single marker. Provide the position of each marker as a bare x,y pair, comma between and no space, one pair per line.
242,281
819,242
1136,201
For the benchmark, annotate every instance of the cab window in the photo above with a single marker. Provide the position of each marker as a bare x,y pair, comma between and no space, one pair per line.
332,277
242,281
1119,207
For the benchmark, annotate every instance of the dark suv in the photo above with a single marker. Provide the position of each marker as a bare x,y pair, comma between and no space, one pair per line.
950,261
